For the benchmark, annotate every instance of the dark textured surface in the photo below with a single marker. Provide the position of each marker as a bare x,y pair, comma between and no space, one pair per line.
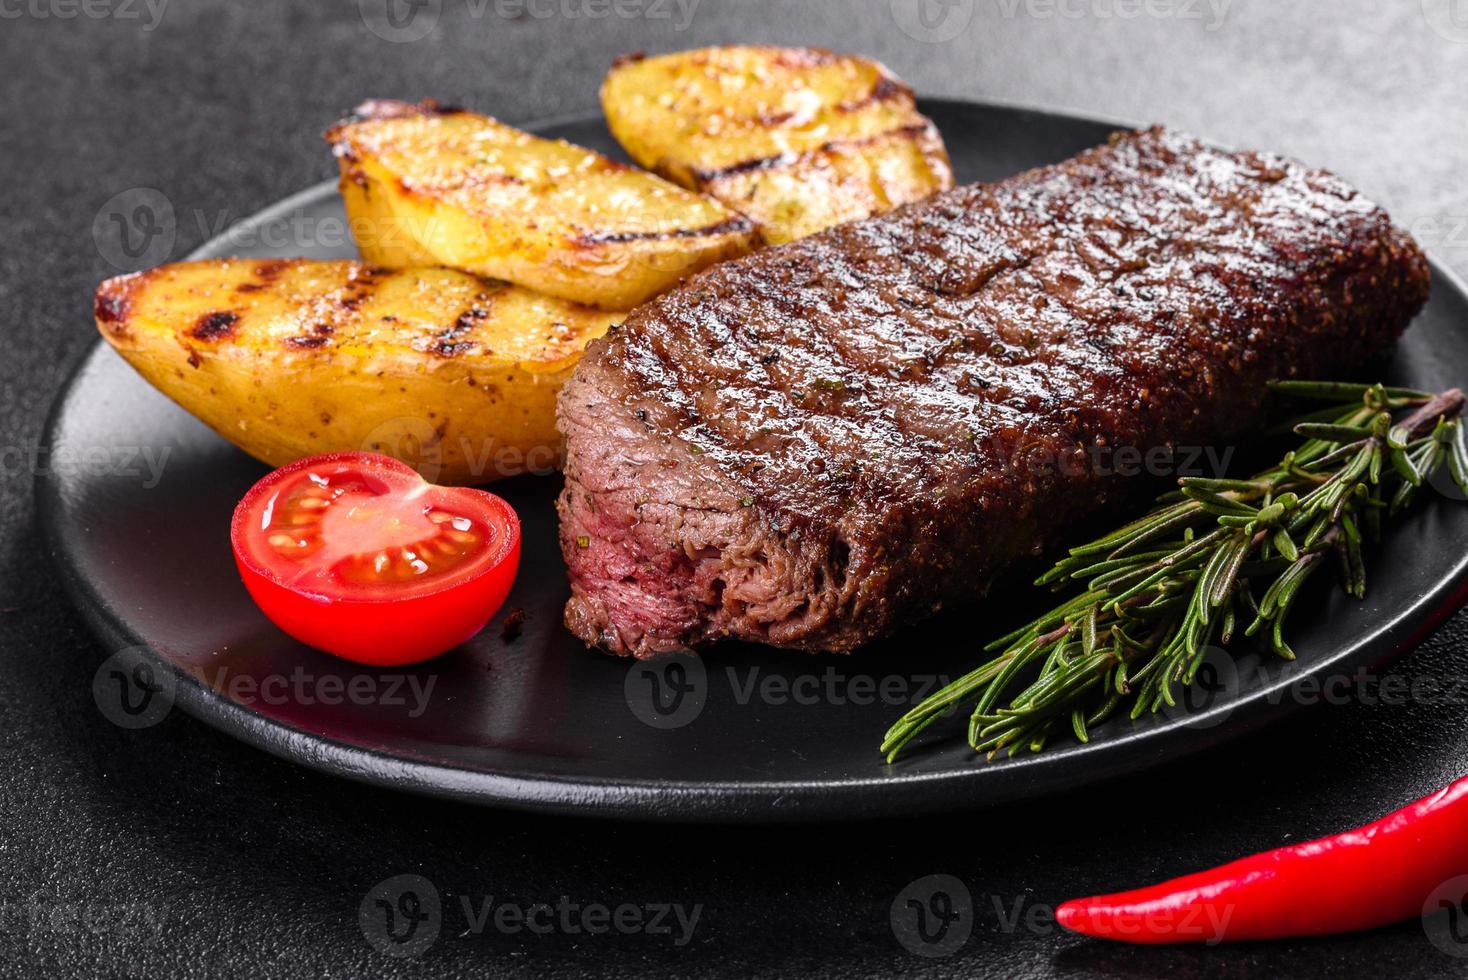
250,866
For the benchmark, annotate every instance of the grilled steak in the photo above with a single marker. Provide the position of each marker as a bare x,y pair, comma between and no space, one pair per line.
818,443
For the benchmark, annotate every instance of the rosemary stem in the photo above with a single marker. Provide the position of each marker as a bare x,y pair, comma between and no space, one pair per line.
1182,577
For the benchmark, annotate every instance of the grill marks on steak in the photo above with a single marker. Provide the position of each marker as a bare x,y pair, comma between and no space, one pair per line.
817,443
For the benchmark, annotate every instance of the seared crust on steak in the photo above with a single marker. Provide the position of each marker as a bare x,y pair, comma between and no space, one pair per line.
818,443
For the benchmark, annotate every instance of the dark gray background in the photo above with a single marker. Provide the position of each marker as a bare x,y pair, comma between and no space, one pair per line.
251,866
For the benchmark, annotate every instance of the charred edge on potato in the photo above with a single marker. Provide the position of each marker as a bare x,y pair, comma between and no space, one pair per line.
266,273
738,224
215,326
915,130
448,344
113,303
885,89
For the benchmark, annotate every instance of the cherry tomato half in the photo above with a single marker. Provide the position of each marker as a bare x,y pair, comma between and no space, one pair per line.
357,555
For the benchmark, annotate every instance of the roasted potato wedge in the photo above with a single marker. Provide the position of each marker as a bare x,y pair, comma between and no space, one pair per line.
796,138
424,184
454,374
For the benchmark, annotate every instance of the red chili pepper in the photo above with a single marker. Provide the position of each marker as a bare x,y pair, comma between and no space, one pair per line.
1381,873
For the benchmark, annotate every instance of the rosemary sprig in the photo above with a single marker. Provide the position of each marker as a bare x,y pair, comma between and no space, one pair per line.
1212,561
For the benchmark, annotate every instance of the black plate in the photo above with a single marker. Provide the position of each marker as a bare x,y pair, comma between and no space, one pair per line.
541,723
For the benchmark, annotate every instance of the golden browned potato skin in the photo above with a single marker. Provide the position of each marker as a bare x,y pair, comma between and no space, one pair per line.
428,185
798,139
455,374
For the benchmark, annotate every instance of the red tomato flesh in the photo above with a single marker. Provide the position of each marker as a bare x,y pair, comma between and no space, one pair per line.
357,555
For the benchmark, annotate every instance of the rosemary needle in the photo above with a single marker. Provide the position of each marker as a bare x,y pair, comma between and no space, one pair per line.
1214,560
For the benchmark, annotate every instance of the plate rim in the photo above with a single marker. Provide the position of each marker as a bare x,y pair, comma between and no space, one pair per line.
887,793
